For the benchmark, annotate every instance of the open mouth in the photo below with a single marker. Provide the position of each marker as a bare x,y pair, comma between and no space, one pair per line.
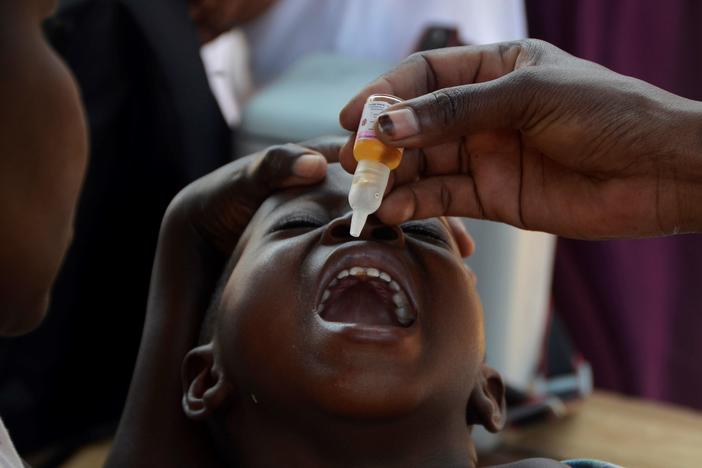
367,296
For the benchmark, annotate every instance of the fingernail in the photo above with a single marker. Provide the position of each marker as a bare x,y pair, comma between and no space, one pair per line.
308,165
399,124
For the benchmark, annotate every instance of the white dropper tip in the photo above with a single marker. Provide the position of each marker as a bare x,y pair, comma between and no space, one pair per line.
366,194
358,220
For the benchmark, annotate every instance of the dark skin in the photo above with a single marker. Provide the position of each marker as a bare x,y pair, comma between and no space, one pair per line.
43,156
200,228
351,394
199,231
526,134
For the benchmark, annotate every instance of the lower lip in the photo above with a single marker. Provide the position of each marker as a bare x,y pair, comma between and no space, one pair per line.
361,333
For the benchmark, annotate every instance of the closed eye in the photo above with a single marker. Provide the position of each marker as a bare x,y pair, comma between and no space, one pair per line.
424,230
296,221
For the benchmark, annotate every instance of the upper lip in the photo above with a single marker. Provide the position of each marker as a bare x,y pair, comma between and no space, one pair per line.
367,254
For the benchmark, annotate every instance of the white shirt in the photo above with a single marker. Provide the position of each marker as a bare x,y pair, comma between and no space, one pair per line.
386,30
9,458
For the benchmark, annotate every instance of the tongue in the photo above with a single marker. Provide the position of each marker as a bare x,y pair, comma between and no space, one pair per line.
360,303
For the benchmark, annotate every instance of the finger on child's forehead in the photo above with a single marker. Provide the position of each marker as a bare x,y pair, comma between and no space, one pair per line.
283,166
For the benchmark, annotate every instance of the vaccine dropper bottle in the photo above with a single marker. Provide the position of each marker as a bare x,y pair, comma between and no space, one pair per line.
375,161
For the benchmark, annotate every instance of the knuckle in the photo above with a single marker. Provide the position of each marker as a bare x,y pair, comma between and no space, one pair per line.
447,105
276,152
446,198
416,57
421,63
527,78
275,163
534,47
531,43
509,47
421,58
526,97
531,52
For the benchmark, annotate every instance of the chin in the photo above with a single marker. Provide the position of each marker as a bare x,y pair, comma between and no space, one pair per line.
370,397
26,317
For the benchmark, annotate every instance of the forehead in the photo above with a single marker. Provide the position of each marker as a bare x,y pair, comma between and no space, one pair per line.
330,195
336,185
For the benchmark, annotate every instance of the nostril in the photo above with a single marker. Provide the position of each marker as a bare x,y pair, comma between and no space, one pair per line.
384,233
341,231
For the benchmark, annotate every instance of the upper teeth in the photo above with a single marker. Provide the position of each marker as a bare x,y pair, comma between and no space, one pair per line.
363,271
402,309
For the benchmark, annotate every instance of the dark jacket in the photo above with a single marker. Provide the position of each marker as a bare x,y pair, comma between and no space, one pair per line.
154,127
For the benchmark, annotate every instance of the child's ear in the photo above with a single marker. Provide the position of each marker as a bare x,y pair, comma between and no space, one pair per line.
204,386
487,401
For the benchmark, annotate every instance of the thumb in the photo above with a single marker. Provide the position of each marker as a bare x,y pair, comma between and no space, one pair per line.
449,113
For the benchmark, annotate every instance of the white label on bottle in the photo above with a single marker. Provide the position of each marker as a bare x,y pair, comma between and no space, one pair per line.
371,111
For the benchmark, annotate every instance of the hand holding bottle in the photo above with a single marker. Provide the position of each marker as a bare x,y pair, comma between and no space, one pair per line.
526,134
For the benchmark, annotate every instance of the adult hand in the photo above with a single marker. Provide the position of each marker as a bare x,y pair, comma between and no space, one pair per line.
527,134
214,17
198,234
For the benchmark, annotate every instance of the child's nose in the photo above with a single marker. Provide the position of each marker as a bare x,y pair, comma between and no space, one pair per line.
339,231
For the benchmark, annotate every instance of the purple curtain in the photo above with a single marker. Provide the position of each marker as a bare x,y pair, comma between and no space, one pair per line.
634,308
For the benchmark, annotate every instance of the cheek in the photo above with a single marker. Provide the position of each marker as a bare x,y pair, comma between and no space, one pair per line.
70,136
50,127
454,327
44,149
61,141
259,329
455,312
46,8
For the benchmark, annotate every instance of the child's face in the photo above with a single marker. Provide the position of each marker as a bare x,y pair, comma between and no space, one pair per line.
300,326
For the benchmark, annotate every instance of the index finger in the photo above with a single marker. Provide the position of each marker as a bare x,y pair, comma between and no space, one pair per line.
424,72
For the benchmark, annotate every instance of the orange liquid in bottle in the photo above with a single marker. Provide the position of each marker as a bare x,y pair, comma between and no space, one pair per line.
376,150
367,146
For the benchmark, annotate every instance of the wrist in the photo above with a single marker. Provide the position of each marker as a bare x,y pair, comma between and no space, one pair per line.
689,170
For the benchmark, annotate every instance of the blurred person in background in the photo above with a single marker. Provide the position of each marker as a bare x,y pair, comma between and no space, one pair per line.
388,30
385,31
43,156
153,127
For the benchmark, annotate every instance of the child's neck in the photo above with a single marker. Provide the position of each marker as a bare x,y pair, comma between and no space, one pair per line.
315,440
